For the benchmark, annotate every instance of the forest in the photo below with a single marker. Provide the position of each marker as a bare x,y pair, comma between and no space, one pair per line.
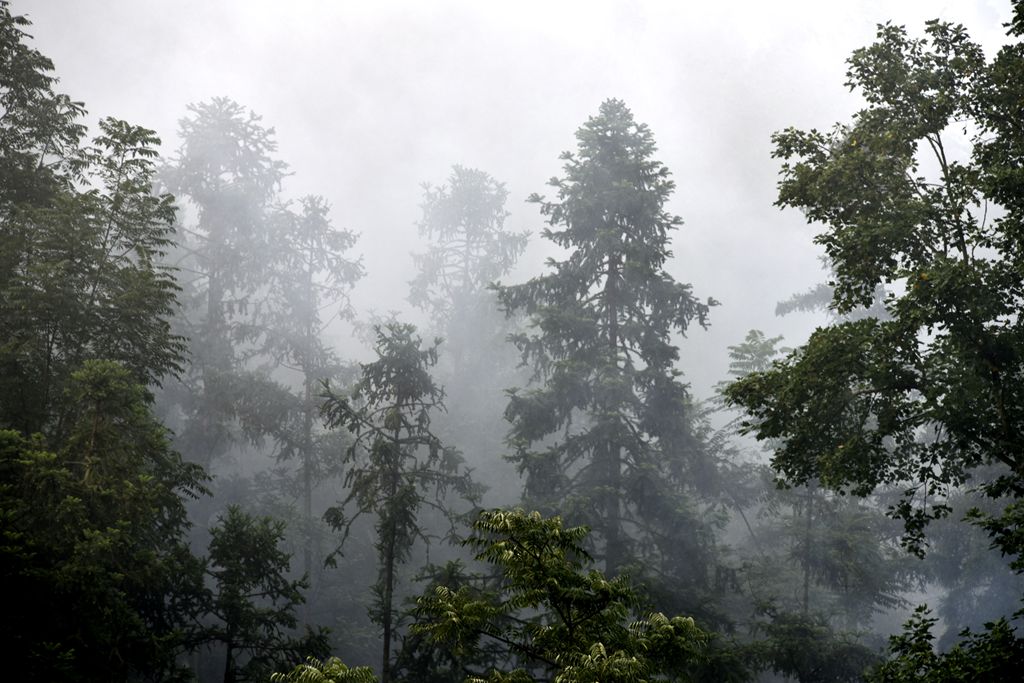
519,484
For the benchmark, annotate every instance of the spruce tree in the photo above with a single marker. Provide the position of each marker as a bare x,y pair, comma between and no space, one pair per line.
604,428
397,465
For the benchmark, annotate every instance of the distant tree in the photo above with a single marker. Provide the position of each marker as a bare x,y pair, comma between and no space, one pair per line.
469,249
94,559
849,565
226,178
805,647
979,584
606,426
555,618
396,464
253,601
309,274
819,299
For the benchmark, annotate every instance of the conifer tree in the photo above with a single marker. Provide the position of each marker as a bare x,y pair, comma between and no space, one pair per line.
396,463
605,427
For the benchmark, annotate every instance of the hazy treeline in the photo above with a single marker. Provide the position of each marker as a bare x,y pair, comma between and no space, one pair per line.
200,481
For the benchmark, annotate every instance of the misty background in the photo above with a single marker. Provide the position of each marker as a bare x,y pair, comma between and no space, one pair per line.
369,100
340,461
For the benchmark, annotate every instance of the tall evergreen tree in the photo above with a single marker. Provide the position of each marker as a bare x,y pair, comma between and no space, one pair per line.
253,602
396,464
226,178
469,247
607,420
310,278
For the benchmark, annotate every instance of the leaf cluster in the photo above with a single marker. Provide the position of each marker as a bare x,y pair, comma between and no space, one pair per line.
555,618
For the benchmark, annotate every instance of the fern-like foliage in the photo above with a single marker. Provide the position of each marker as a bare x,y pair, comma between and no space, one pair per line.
331,671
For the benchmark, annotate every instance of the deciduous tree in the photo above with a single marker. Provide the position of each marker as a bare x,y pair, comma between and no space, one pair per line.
555,618
919,193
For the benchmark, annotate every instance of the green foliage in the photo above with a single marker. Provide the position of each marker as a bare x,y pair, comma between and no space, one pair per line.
919,196
755,354
331,671
851,406
82,233
554,618
37,121
253,601
819,566
605,434
94,556
806,648
994,655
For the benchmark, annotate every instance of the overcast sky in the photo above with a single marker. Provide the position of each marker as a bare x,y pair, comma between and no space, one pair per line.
370,99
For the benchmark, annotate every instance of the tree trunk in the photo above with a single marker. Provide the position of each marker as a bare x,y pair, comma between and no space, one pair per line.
807,549
229,664
389,568
389,582
310,364
611,467
307,480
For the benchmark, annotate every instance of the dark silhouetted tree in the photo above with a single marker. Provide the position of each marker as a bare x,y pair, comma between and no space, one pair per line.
396,464
95,556
606,426
252,601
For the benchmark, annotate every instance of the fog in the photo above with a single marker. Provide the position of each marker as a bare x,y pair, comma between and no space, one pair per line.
277,396
369,100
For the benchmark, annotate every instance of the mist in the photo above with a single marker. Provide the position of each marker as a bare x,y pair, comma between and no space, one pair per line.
397,116
370,101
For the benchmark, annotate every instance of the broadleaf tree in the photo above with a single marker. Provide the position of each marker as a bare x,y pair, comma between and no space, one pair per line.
553,616
920,193
80,276
95,555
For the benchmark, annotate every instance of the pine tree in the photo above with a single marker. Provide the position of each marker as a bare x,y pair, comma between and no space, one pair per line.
396,464
607,419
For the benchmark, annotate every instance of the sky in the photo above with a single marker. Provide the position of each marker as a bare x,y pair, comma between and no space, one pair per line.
371,99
